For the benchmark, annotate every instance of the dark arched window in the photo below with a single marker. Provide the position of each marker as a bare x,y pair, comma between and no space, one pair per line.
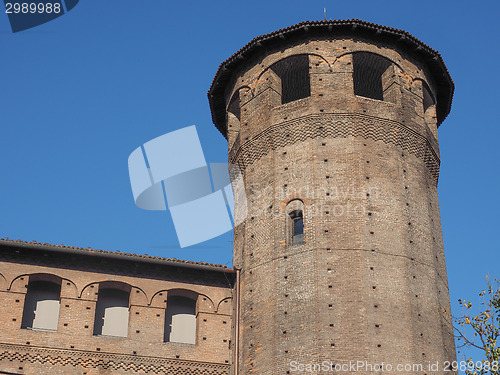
368,69
234,105
428,97
429,104
297,227
293,72
180,320
41,306
111,313
233,118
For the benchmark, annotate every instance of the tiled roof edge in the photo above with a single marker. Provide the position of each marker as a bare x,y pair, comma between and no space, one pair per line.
126,256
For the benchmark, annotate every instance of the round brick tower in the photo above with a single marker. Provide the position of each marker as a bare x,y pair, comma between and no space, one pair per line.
334,127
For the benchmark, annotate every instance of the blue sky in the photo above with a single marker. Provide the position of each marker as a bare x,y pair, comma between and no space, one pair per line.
80,93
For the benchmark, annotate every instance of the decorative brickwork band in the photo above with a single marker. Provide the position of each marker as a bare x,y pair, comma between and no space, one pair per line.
334,125
115,362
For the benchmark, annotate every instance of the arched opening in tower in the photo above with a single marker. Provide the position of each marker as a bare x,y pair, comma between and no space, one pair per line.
367,74
293,72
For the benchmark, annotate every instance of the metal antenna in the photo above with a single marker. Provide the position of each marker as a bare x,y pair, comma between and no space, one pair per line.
324,9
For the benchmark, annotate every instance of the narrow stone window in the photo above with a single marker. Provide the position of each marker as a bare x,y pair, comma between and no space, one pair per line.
367,74
293,72
295,222
428,97
112,312
429,104
234,106
297,227
233,113
41,306
180,320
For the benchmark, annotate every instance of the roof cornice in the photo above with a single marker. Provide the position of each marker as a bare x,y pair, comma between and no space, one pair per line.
140,258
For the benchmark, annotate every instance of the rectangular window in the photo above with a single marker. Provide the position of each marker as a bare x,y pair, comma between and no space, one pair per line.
41,306
297,227
367,74
180,320
294,74
111,314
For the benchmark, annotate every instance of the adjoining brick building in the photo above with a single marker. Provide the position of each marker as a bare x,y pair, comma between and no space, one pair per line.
334,127
109,312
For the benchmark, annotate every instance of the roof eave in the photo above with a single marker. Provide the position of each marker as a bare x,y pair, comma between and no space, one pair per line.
112,255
